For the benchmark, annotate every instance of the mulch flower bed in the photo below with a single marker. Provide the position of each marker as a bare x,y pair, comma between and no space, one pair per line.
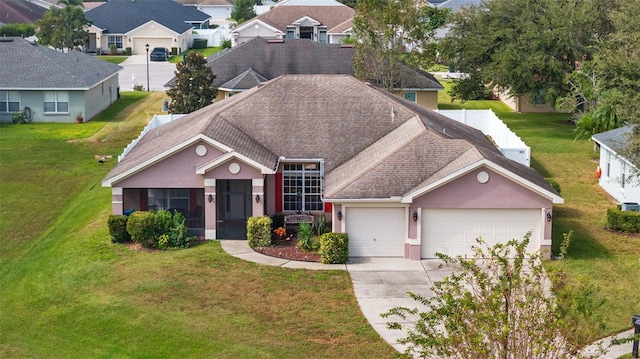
287,248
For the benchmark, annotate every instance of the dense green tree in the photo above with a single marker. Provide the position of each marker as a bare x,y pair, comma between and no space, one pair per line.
527,47
192,89
243,10
64,28
22,30
498,304
71,3
390,32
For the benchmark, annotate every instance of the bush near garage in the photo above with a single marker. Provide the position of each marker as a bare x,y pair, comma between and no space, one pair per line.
334,248
626,221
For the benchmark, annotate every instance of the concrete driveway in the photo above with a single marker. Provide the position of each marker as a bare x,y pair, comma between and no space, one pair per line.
134,72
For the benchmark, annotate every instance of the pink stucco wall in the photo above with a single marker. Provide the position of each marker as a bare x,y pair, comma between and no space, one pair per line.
177,171
467,192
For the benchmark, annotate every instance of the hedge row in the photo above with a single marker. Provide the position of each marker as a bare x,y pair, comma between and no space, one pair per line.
157,229
627,221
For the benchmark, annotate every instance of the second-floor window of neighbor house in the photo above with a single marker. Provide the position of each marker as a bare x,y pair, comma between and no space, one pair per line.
302,187
56,101
9,101
114,40
410,96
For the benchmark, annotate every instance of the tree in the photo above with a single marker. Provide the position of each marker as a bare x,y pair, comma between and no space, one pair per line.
389,33
22,30
70,3
526,47
498,304
243,10
64,28
192,89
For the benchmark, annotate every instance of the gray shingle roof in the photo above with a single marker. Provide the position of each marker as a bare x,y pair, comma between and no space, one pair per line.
122,16
374,144
28,66
616,139
244,81
272,58
19,12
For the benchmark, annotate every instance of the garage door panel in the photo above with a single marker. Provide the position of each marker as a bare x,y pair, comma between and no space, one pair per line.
375,232
454,231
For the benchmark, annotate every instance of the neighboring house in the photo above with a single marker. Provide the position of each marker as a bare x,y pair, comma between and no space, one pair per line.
323,21
52,86
618,176
216,9
249,64
19,12
134,24
401,180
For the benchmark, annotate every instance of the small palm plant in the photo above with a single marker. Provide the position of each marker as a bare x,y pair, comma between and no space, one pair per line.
305,237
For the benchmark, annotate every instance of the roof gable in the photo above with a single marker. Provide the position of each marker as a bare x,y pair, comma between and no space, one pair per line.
286,14
28,66
122,16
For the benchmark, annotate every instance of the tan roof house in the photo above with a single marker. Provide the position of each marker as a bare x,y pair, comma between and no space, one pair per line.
323,21
401,180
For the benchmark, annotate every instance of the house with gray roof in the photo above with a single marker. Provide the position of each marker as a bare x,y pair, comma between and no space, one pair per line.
323,21
52,86
399,179
134,24
615,172
258,60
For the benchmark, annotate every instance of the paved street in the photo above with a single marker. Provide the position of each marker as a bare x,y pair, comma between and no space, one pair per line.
134,72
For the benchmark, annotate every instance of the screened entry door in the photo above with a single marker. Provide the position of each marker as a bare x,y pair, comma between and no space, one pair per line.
233,208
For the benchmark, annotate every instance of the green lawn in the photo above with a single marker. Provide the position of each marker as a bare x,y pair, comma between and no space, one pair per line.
610,261
67,292
206,52
113,59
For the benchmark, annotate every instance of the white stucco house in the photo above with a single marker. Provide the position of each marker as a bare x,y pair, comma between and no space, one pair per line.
617,175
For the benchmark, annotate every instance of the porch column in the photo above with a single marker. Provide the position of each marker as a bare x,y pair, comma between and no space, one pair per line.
257,194
117,201
209,208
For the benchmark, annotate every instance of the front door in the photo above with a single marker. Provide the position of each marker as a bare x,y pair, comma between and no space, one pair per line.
233,208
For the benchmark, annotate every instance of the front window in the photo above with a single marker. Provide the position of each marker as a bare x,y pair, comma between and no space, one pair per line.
115,40
302,187
56,102
9,101
169,199
410,96
306,32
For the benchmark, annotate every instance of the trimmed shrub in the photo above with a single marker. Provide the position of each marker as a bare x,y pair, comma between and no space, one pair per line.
128,51
178,232
118,228
334,248
141,227
259,231
163,221
113,50
174,51
226,44
626,221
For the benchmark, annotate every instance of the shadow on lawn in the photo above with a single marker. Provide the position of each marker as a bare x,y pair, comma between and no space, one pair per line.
583,245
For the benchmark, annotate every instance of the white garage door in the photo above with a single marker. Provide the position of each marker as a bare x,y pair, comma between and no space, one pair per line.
454,231
139,43
375,232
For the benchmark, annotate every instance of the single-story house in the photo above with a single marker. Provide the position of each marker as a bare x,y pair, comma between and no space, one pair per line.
52,86
323,21
258,60
401,180
134,24
615,172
